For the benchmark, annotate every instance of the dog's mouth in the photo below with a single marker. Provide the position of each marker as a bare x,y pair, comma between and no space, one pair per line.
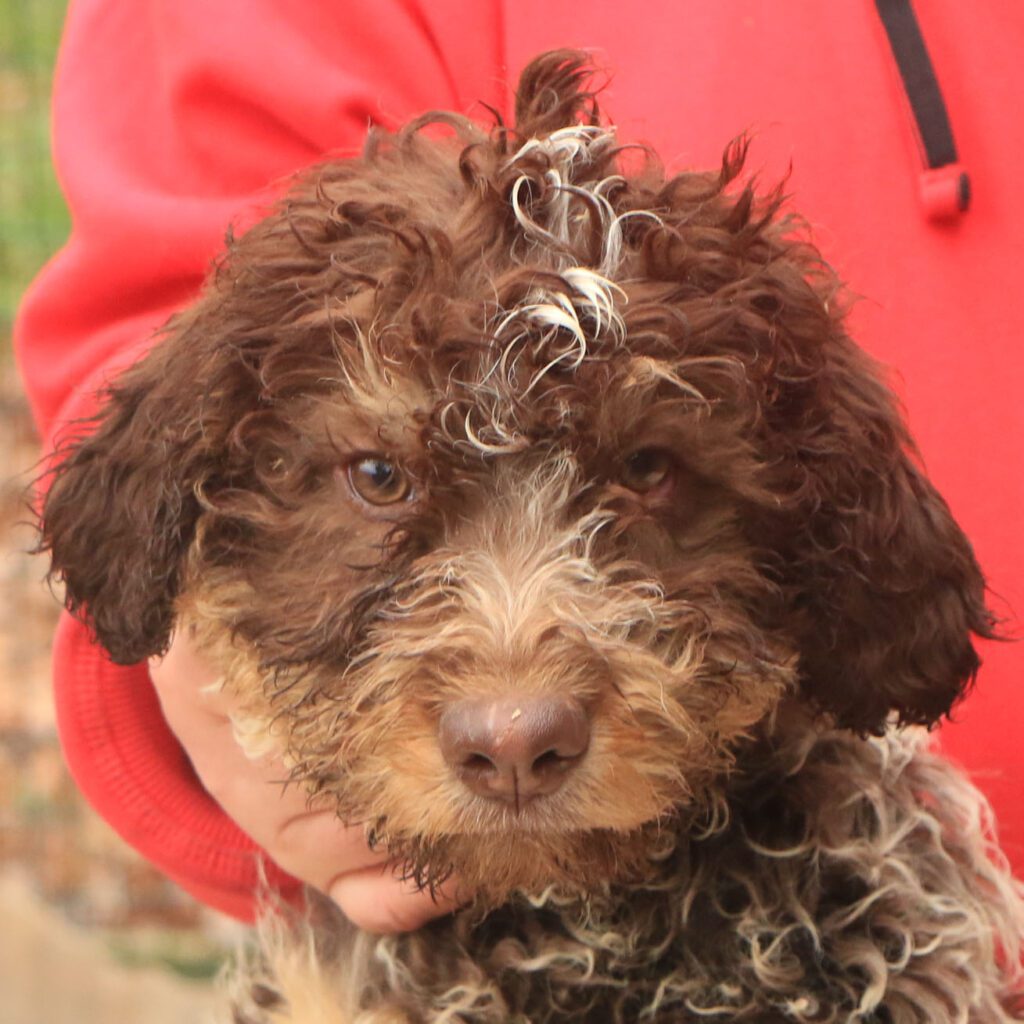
573,808
525,790
582,821
489,866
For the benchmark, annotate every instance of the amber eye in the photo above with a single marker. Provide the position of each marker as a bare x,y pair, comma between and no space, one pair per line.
378,481
646,470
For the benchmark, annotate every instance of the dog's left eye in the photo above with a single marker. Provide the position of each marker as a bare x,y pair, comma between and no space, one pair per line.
379,481
647,470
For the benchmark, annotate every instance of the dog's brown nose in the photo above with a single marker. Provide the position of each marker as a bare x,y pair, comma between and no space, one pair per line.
514,749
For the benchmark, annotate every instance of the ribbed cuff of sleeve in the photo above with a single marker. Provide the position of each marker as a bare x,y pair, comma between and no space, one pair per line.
133,771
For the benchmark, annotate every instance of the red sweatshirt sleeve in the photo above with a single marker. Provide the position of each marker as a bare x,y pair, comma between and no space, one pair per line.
173,119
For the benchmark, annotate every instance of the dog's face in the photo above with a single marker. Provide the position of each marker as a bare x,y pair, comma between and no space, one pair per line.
513,492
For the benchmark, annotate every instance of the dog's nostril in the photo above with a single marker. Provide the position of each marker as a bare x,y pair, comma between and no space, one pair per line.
551,759
478,763
514,749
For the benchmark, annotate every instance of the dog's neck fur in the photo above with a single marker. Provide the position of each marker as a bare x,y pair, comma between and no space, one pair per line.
829,892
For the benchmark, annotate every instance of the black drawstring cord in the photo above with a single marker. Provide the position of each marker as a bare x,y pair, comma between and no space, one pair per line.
947,189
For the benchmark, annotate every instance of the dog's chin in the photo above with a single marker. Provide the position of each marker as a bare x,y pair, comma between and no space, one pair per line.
579,839
488,868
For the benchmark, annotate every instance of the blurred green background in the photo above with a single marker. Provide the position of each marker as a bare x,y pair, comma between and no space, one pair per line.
33,218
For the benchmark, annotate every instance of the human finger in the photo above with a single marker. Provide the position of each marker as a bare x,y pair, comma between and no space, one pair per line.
378,901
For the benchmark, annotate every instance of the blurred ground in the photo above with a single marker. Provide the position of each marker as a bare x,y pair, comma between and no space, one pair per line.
54,974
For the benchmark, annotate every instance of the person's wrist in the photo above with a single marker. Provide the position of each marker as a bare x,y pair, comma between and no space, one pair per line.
306,840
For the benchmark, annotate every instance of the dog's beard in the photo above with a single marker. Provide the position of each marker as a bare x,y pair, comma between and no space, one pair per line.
658,759
655,770
486,869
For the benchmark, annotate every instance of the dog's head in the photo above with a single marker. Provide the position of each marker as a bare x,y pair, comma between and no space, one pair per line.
514,485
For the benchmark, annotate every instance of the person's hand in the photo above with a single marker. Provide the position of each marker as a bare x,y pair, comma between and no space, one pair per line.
309,843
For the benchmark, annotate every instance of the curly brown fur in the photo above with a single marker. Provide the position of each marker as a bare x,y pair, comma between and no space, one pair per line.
516,319
835,894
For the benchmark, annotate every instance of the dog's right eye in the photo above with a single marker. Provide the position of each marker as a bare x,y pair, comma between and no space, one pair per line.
648,471
378,481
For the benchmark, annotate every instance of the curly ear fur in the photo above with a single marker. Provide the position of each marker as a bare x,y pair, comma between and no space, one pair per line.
880,589
176,432
126,492
886,587
121,506
884,590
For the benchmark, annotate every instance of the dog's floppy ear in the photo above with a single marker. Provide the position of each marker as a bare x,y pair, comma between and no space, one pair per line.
880,588
121,504
192,426
885,590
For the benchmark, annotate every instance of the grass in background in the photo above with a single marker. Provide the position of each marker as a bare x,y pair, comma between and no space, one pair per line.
33,218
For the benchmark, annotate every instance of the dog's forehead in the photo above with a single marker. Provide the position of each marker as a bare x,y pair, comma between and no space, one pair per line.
521,318
549,370
521,348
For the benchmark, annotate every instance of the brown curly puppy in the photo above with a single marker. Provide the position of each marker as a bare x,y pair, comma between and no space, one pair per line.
541,510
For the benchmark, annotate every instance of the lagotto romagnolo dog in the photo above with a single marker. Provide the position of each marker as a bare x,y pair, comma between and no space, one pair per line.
538,507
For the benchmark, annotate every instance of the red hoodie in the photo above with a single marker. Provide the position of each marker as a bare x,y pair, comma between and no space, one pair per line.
173,117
